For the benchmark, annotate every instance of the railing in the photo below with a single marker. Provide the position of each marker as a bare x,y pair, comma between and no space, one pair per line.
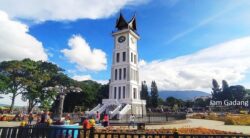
125,109
50,132
94,109
150,118
102,108
115,111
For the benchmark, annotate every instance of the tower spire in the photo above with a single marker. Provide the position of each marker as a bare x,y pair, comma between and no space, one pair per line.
121,23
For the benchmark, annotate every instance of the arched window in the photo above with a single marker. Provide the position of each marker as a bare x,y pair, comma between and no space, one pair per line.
114,92
115,74
124,92
119,92
120,74
123,56
135,93
117,57
124,73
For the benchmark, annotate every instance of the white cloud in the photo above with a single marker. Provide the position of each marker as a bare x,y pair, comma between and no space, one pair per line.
42,10
88,77
229,61
82,78
16,43
85,58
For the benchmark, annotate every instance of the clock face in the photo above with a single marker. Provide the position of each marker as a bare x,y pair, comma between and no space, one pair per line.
121,39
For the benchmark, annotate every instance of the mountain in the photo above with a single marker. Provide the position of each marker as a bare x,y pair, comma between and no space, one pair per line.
184,95
3,104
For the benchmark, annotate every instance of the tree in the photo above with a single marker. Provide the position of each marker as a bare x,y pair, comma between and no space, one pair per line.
40,75
12,79
238,92
92,94
154,94
144,93
199,102
226,94
216,90
103,92
171,101
225,85
160,101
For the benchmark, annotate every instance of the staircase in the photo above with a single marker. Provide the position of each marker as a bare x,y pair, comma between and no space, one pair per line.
124,111
102,108
93,111
115,111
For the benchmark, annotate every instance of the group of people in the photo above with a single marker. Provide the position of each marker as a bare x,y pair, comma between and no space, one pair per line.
43,117
88,123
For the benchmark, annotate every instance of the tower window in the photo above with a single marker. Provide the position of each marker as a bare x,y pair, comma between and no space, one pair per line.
117,57
123,56
135,59
124,73
115,74
123,92
131,57
119,92
120,74
134,91
114,92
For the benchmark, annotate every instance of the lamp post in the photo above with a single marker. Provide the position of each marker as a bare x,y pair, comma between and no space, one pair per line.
62,91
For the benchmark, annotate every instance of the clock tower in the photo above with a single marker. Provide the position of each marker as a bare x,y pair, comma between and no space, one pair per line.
124,89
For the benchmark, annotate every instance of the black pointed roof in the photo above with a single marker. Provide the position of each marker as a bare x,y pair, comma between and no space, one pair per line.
121,23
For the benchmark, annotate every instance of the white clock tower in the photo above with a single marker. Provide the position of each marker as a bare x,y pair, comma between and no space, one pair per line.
124,89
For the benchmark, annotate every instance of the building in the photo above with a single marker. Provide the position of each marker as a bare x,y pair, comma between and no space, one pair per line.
124,91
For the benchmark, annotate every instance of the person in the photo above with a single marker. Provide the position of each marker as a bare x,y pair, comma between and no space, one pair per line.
30,118
67,117
97,117
131,121
85,123
45,117
92,122
105,120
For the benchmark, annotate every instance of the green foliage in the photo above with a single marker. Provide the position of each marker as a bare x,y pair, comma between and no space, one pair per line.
92,94
12,74
199,102
161,101
216,90
171,101
144,93
154,94
227,92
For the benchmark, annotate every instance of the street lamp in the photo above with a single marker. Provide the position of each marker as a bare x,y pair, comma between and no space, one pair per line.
62,91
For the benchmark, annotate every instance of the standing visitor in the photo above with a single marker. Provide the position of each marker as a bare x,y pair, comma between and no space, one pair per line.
30,118
105,120
45,117
92,122
131,120
85,123
97,117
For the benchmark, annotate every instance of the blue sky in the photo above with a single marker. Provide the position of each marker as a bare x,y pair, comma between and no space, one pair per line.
183,45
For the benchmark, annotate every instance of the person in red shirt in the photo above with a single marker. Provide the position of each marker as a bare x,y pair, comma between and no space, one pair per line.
85,123
105,120
97,117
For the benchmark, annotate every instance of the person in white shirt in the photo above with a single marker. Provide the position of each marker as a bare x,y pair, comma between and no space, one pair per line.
131,121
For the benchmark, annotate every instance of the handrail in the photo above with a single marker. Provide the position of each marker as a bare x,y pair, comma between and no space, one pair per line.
124,110
94,109
115,111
